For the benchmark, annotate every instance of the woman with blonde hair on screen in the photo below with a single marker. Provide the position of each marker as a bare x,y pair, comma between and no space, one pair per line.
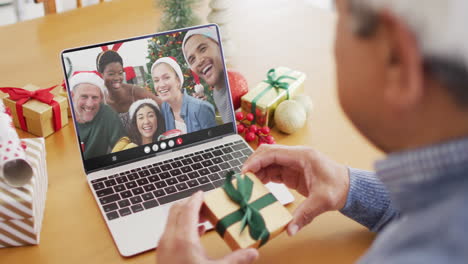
180,110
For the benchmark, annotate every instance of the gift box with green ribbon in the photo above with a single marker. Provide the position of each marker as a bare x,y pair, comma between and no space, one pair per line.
244,212
281,84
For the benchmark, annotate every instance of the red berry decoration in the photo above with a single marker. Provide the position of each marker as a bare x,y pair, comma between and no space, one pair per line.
253,129
265,130
240,128
269,139
249,137
239,116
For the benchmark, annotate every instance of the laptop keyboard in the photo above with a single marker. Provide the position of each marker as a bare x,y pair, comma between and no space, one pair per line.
143,188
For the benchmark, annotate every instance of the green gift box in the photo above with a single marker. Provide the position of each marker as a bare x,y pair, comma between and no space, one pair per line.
281,84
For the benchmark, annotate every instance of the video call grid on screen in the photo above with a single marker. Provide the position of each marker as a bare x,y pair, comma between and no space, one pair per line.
199,118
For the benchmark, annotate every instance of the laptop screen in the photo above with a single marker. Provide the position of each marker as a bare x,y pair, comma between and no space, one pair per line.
143,96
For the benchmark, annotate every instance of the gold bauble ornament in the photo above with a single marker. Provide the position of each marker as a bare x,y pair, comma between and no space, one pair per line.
290,116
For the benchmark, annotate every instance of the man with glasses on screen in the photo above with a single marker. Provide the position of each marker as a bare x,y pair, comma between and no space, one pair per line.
409,59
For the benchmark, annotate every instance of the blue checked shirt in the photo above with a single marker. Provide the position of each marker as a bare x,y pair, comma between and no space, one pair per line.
417,201
197,114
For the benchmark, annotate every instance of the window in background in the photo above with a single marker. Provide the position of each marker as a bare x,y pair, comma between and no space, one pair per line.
12,11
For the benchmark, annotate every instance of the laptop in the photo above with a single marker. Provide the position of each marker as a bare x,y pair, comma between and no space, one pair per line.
135,184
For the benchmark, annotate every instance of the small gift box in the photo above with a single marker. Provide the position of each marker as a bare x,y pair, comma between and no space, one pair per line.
62,91
37,111
281,84
135,75
22,209
244,212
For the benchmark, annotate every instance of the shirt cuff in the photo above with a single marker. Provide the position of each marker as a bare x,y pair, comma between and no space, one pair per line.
368,201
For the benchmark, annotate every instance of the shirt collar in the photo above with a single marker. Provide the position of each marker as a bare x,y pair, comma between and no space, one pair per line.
408,175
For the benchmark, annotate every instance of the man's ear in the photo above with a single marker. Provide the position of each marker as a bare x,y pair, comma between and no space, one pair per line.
404,84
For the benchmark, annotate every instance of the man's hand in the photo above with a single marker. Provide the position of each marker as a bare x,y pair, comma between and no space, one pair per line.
200,96
324,182
180,242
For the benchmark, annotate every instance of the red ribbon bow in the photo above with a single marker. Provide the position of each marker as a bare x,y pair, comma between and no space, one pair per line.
21,96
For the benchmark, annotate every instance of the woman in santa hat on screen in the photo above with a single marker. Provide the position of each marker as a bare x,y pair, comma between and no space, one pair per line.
180,110
147,122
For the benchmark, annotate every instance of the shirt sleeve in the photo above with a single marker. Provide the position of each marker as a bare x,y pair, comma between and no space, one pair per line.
368,201
206,116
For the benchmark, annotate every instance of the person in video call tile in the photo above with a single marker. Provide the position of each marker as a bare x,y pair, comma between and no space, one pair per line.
99,126
180,110
146,121
119,95
203,55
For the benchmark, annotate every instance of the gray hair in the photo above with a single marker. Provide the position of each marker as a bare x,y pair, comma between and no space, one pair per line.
444,60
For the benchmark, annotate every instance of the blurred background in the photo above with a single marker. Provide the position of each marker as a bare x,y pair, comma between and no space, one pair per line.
13,11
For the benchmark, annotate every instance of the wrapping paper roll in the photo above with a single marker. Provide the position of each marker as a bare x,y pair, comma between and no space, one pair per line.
14,167
22,209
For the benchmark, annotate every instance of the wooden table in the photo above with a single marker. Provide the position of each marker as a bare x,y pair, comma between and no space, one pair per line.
266,34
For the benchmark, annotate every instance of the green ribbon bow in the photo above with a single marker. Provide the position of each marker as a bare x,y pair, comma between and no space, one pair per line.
248,214
273,83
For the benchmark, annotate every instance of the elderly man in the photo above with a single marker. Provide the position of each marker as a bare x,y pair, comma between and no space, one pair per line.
411,58
99,127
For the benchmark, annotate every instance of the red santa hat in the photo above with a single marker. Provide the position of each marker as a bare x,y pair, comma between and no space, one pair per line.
209,32
198,86
91,77
135,105
171,61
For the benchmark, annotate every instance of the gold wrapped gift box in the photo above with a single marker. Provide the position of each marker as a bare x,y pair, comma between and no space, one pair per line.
38,115
218,205
60,90
269,93
22,209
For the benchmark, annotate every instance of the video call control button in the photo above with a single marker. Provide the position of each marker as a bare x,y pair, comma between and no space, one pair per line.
147,149
163,145
171,143
155,147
